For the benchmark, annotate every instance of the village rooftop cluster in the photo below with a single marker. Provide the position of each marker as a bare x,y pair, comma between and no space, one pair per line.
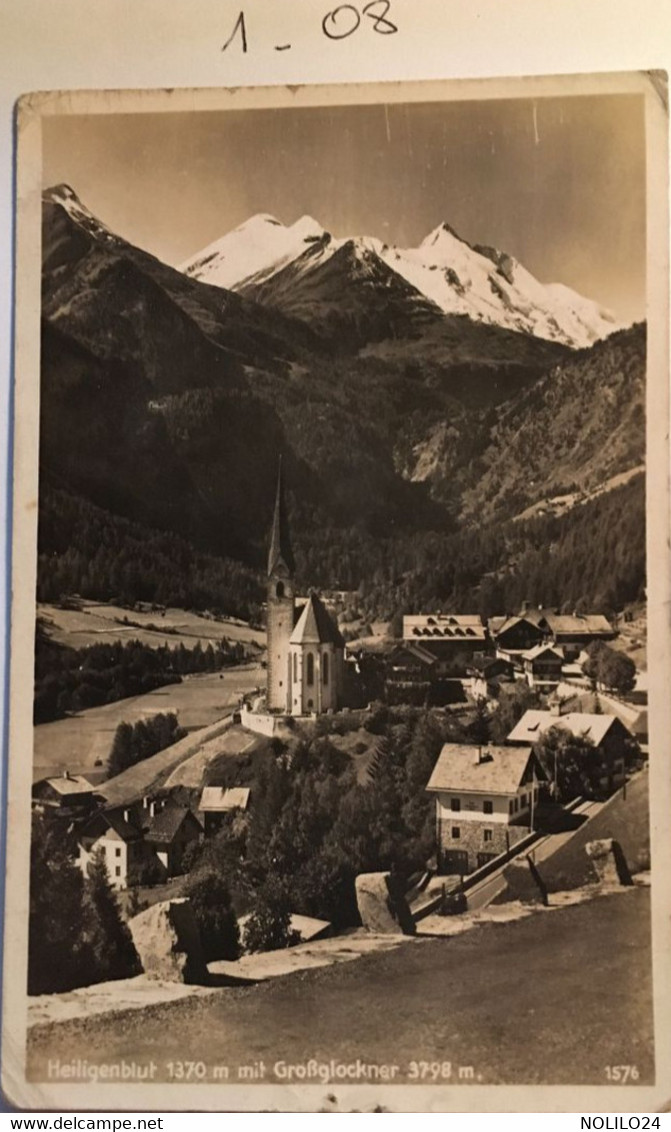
490,799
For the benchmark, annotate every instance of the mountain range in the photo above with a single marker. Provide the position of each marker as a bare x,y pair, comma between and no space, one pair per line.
302,270
411,392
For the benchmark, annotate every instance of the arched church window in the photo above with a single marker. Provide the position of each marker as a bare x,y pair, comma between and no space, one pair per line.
310,678
279,589
325,667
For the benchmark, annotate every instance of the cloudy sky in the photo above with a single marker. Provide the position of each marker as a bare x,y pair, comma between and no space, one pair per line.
559,183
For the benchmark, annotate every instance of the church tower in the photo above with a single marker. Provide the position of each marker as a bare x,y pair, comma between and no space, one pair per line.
280,608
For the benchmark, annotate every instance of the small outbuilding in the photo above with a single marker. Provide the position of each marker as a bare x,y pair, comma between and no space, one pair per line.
218,801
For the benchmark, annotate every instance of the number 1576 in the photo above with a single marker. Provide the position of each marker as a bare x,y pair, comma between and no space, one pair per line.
622,1074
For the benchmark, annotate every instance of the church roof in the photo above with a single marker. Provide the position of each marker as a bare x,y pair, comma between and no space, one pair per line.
315,626
280,553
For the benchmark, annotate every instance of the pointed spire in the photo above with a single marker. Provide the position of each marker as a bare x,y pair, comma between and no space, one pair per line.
280,553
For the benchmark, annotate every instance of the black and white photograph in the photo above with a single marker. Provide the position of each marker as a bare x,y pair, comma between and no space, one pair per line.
340,767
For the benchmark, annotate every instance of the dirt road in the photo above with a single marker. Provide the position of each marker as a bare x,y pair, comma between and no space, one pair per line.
552,999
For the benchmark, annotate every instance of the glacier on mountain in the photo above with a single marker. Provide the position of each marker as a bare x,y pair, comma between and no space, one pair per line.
482,283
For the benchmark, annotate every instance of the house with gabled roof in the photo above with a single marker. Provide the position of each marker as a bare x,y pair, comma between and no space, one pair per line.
169,833
132,837
606,732
117,833
67,794
578,628
409,672
411,659
485,799
543,667
634,717
513,636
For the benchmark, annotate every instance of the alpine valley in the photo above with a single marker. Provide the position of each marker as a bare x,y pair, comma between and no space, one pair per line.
454,432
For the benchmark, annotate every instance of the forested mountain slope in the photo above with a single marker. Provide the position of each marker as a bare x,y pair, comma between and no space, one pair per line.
409,441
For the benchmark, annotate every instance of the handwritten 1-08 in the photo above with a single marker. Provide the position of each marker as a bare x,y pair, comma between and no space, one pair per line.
339,23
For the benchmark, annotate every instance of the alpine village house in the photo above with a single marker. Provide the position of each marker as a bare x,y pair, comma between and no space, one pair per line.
485,796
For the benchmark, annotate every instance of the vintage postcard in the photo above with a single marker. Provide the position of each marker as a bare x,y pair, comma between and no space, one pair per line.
339,736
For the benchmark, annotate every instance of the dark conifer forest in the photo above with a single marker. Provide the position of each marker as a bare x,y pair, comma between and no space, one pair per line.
423,452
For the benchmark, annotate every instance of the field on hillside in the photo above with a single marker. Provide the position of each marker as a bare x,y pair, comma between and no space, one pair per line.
559,1011
78,742
99,623
226,749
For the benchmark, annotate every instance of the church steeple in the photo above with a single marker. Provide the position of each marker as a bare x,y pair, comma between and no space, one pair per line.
280,553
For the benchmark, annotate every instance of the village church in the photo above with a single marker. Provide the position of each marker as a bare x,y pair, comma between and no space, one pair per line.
305,648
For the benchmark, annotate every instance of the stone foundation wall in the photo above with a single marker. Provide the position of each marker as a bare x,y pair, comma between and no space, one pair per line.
466,853
261,723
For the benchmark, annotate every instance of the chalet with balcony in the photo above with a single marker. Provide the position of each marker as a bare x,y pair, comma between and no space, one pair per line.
409,672
513,636
536,626
543,667
70,795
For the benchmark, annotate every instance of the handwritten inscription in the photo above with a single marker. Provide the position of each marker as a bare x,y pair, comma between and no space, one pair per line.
340,23
240,29
344,20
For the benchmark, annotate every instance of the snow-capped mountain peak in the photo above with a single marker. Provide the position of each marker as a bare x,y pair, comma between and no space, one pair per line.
491,286
459,278
442,236
261,244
